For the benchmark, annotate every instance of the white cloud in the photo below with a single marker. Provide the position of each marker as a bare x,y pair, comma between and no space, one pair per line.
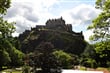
80,17
81,14
37,3
31,17
24,16
29,13
87,34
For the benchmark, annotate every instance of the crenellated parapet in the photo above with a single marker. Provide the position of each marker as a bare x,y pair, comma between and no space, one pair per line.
58,24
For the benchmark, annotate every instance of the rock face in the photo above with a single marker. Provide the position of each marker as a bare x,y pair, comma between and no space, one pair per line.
56,32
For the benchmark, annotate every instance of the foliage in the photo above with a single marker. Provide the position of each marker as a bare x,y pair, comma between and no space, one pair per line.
26,69
16,57
89,62
8,51
88,57
64,58
5,28
102,53
14,54
101,25
44,58
96,55
101,30
89,51
4,5
15,42
4,57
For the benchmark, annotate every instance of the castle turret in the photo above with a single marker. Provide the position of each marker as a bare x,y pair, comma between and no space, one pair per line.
58,24
69,27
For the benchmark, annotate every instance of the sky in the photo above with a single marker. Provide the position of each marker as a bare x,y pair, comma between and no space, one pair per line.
29,13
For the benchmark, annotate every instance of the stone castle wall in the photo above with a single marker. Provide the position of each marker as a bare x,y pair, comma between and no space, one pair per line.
58,24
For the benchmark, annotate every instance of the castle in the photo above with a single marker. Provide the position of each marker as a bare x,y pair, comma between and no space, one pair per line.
56,24
56,32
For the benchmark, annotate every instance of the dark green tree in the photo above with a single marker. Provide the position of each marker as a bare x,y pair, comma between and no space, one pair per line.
44,58
4,58
8,52
88,57
102,53
15,55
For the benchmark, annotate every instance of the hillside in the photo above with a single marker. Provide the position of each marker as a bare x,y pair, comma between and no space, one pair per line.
60,37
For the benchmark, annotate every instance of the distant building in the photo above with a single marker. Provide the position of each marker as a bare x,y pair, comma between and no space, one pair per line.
59,25
56,24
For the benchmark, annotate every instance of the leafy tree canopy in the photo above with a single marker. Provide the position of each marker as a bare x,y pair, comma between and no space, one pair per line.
44,58
4,5
64,58
103,53
8,52
101,25
5,28
101,30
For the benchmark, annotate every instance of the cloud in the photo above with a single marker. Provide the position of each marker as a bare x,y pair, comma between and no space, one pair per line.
87,34
24,16
38,3
81,17
29,13
81,14
31,17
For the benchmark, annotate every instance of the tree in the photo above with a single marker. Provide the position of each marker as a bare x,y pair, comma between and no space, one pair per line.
44,59
15,55
88,56
101,30
64,59
102,53
4,5
101,25
8,52
16,58
5,28
4,58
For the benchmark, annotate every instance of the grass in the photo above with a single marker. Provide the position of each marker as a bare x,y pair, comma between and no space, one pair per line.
82,68
13,71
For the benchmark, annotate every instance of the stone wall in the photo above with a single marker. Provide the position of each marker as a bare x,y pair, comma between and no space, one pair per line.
58,24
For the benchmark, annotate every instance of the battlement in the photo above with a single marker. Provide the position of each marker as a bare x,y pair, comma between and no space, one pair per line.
55,22
58,24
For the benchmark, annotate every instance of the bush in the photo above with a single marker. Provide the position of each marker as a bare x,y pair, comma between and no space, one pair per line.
88,62
63,58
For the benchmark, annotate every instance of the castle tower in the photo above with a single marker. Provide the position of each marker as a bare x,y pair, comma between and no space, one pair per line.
58,24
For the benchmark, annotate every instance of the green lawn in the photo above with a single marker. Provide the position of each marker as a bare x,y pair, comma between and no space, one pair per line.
13,71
